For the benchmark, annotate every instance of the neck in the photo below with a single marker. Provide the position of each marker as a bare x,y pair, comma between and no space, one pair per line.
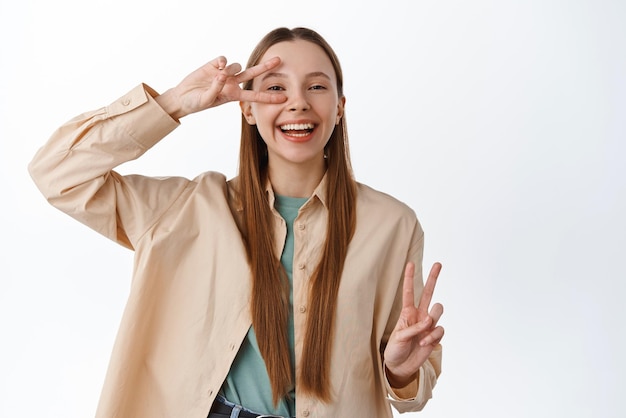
296,180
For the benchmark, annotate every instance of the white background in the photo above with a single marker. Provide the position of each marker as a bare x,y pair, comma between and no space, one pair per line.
502,123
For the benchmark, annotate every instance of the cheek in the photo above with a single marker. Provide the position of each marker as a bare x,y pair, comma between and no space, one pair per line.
331,109
264,124
263,115
333,116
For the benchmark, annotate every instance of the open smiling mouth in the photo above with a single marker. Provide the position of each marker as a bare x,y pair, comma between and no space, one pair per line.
297,129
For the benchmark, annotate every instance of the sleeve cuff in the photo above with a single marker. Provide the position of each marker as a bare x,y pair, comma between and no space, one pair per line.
414,396
139,105
406,393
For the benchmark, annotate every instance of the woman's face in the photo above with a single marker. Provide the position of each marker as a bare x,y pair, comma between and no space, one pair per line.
297,130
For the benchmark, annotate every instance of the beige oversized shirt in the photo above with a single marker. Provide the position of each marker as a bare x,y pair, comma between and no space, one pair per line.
189,304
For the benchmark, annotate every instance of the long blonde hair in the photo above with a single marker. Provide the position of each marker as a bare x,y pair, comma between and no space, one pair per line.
270,294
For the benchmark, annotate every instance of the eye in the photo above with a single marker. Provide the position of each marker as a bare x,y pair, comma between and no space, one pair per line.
318,87
275,88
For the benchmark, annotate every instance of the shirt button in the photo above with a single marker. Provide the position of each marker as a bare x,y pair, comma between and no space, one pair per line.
126,102
302,309
232,346
305,413
301,266
301,226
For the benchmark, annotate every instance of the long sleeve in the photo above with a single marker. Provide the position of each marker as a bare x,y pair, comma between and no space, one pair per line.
74,169
416,394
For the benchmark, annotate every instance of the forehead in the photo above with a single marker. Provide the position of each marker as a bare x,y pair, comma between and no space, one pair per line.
300,53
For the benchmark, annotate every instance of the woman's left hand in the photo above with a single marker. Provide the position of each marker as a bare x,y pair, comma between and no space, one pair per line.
416,333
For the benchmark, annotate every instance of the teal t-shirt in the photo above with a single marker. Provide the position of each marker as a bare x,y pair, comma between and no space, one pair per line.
247,382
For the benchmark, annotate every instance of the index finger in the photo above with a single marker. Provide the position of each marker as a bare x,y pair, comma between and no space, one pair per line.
250,73
261,97
429,289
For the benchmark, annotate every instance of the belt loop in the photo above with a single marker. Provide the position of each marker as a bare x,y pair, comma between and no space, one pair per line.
235,412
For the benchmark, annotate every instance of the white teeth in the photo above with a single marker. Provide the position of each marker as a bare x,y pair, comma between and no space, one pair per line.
297,126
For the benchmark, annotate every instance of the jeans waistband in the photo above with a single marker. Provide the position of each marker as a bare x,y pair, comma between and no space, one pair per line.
226,408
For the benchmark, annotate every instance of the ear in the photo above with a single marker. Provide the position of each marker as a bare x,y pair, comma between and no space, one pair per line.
340,108
246,110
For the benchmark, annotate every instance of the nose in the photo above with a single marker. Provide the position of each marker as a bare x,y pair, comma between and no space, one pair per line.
297,101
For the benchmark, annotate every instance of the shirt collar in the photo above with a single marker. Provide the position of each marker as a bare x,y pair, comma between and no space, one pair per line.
319,193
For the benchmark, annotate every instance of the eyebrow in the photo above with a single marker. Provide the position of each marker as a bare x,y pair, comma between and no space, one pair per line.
309,75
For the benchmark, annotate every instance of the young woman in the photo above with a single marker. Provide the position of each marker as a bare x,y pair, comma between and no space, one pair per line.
290,290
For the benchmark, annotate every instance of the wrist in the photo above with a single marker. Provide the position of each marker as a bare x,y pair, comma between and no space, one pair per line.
170,104
397,380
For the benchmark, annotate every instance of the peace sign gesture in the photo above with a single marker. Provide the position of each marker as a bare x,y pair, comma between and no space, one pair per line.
216,83
416,333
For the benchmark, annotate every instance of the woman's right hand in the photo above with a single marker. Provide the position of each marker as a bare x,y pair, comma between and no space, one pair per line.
213,84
